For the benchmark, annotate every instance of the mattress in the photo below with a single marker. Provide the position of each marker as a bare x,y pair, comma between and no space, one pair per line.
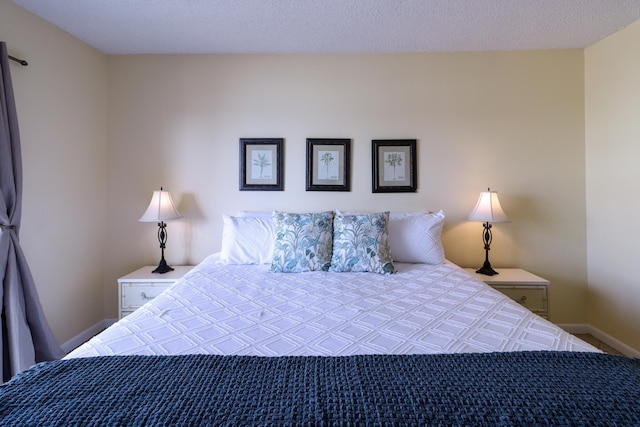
247,310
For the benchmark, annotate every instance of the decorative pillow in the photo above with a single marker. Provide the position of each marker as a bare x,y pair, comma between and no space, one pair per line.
246,240
415,237
360,243
303,242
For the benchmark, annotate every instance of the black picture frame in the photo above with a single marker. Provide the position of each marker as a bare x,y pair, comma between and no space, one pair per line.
394,165
328,164
261,164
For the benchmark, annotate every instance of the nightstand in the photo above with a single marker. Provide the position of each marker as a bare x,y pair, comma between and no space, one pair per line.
521,286
137,288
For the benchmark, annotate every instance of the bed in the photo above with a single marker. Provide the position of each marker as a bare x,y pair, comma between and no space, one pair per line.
277,329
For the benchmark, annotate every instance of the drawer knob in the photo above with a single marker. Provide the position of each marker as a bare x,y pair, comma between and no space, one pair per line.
144,295
522,299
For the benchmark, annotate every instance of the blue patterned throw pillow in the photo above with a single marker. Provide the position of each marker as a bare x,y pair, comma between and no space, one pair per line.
361,243
303,242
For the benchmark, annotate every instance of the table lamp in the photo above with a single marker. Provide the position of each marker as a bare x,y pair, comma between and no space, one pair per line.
161,209
488,210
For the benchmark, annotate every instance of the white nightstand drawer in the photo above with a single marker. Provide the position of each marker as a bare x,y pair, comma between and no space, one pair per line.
532,297
141,286
521,286
135,295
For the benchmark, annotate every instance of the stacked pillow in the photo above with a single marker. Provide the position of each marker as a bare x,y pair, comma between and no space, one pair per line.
246,240
361,243
303,242
415,237
356,242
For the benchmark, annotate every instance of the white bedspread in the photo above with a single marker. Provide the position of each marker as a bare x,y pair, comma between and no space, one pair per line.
245,310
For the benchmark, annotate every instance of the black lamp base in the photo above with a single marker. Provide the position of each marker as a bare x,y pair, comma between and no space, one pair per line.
486,239
163,267
487,270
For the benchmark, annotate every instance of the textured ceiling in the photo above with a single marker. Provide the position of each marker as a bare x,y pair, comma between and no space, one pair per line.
334,26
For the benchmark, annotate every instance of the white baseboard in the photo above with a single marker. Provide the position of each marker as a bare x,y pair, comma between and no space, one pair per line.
612,342
602,336
86,335
576,329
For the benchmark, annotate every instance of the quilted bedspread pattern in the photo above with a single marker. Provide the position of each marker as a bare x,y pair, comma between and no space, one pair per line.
514,388
246,310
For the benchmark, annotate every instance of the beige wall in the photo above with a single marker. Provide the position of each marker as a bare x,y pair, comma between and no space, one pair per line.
613,183
99,134
511,120
61,102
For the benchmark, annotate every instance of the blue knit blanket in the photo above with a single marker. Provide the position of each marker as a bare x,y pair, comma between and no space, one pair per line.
519,388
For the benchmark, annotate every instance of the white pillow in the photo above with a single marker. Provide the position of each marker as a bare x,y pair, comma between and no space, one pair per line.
415,237
247,240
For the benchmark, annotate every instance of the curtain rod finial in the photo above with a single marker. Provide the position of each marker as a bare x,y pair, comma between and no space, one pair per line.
19,61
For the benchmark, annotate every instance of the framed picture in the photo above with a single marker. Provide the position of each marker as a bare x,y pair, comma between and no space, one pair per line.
394,166
328,164
261,164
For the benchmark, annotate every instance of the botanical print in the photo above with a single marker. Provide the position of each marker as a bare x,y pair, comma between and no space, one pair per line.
261,161
393,166
328,162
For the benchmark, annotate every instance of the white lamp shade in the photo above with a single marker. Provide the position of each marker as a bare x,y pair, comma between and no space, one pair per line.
488,208
161,208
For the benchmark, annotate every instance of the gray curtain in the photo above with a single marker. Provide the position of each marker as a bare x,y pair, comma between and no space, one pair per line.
26,335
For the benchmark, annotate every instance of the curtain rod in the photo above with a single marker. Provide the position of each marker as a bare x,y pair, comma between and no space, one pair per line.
19,61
